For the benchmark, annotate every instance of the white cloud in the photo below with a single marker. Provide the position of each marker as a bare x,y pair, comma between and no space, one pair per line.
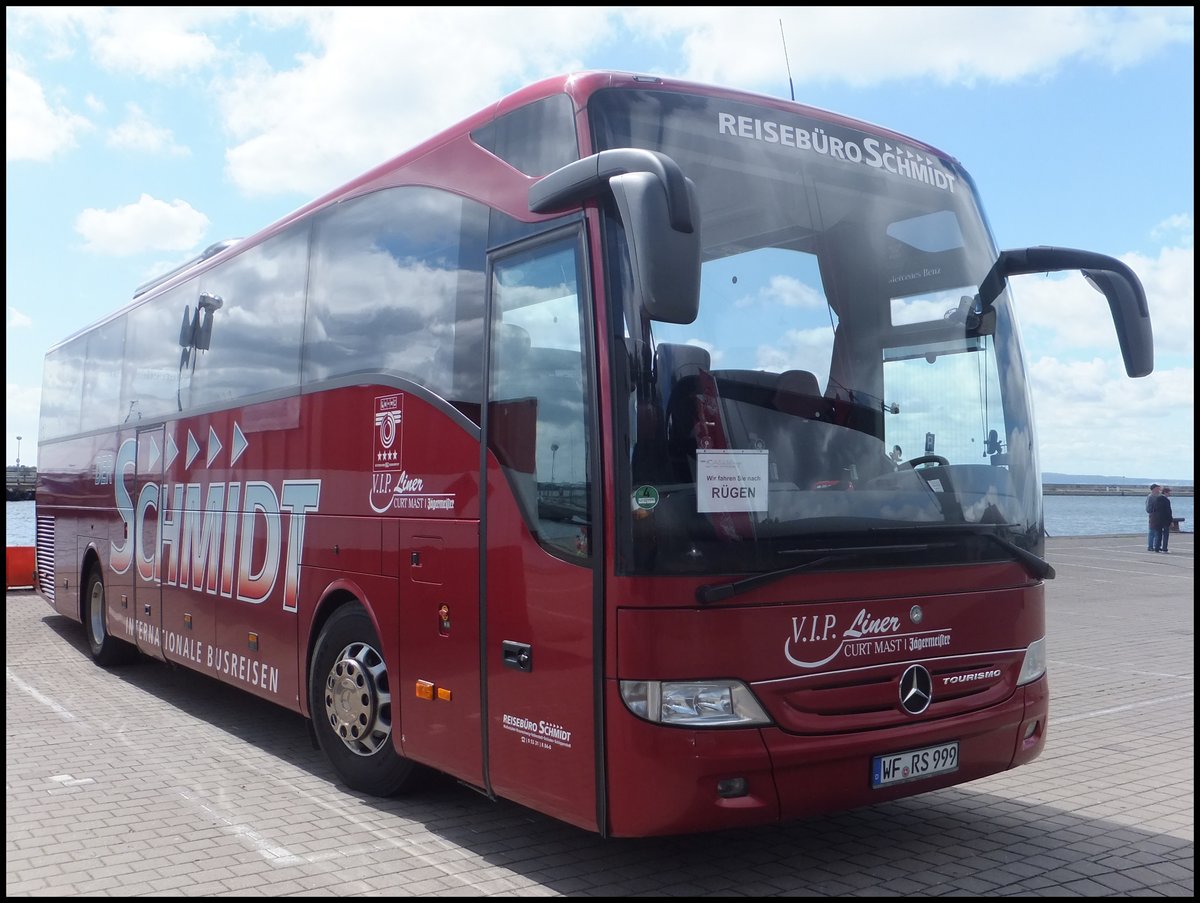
799,349
1170,283
35,127
152,42
365,95
949,45
1065,312
56,28
1180,225
1155,416
351,102
17,320
793,293
1156,413
155,42
147,225
138,133
1129,35
21,405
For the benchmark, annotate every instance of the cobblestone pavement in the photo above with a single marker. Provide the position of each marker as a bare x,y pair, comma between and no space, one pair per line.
155,781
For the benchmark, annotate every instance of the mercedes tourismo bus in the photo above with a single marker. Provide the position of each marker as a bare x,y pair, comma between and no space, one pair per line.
657,456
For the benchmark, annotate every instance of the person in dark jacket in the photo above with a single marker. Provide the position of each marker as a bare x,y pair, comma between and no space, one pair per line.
1167,516
1151,535
1160,519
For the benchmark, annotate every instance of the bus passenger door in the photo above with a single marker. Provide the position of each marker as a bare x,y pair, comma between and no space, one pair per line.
147,524
539,658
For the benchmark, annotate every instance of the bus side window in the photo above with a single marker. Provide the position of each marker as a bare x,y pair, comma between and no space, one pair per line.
537,406
397,288
248,327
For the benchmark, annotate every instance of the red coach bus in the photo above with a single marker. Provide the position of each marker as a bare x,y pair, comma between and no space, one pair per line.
657,456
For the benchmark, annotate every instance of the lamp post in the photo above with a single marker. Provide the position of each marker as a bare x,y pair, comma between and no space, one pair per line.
18,452
553,455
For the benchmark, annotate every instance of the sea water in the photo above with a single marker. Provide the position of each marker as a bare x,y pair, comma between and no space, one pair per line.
1066,515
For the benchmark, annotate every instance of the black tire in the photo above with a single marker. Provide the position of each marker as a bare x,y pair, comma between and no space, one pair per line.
105,648
350,701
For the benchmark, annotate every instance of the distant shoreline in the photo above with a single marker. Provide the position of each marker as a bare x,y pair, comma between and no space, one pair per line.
1109,490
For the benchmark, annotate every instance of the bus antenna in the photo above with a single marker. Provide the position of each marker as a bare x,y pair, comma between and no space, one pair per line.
783,37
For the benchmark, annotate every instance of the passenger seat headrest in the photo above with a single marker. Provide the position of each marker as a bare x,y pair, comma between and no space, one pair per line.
677,361
792,383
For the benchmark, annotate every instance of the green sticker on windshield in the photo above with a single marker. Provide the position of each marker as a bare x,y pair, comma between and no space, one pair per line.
645,497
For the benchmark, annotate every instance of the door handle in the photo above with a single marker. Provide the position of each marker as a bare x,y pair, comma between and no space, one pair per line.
517,655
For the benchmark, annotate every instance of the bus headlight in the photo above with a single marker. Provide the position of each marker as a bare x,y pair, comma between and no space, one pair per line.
1034,665
694,703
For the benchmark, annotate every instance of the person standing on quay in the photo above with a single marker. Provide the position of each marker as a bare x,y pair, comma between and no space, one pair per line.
1162,518
1151,533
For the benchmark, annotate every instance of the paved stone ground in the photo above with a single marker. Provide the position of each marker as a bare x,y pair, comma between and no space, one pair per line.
154,781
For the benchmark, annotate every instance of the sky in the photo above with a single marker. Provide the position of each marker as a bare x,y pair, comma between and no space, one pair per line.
137,137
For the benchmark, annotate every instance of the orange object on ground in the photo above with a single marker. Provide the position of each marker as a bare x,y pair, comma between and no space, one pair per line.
19,566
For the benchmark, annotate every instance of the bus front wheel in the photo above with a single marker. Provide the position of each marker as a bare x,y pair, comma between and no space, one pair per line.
106,649
350,701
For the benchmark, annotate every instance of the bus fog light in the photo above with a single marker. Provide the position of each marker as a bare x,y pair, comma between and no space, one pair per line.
730,788
693,703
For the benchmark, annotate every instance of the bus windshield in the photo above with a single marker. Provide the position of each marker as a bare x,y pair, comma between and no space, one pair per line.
841,386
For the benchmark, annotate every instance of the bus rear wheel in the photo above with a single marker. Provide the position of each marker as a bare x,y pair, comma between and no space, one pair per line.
350,701
106,649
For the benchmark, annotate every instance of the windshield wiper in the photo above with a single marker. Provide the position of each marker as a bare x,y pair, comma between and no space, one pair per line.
1037,567
718,592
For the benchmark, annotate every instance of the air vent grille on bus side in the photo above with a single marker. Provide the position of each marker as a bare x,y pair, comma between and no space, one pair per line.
44,551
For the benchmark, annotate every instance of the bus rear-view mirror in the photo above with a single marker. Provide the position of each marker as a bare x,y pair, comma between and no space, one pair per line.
1109,276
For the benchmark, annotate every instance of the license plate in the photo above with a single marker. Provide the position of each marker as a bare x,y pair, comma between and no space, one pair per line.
914,764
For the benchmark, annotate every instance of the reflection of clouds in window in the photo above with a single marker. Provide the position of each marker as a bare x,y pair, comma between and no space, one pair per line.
151,379
553,321
537,356
715,355
956,397
386,315
769,290
62,377
387,290
927,308
413,291
930,232
561,423
515,297
792,292
102,376
718,354
764,277
991,506
255,343
799,349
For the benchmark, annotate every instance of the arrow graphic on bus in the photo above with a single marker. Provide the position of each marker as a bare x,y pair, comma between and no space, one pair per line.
215,446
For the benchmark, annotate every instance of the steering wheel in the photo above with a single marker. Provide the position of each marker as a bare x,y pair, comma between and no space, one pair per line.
927,459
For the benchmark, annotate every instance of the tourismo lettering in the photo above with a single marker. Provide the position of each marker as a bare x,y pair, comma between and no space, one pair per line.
210,548
871,152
